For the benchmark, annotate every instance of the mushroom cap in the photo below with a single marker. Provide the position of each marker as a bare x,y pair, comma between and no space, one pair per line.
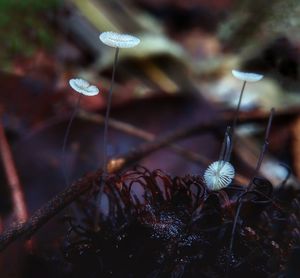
117,40
83,87
218,175
247,76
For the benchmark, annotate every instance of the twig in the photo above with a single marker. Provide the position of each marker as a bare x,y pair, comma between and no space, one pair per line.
50,209
250,186
123,161
265,145
13,180
147,136
1,257
295,144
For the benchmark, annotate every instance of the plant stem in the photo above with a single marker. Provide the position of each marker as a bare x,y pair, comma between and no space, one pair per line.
66,136
41,216
108,112
266,142
249,187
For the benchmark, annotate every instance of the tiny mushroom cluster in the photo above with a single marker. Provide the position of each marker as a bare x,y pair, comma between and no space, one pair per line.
83,87
220,174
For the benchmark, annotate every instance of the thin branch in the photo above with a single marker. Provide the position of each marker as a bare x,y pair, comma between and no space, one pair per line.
145,135
265,144
18,199
50,209
1,257
121,162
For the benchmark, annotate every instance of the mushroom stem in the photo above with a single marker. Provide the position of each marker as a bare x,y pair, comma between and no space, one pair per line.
238,107
104,163
235,119
226,146
66,136
104,168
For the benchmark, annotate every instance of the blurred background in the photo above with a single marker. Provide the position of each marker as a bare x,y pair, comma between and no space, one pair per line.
179,77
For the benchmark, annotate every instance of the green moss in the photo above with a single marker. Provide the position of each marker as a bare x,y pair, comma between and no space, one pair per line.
23,27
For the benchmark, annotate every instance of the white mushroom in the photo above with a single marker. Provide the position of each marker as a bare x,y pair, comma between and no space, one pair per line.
247,76
117,40
83,87
218,175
